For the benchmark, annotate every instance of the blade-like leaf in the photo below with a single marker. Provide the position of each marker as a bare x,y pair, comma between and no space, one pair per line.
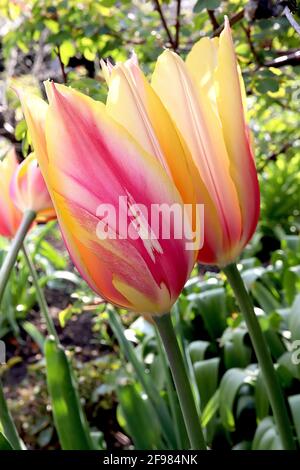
139,420
197,350
69,417
266,436
4,443
294,402
206,374
230,384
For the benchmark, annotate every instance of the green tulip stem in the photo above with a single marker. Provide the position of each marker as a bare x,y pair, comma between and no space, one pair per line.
263,355
40,295
14,249
182,383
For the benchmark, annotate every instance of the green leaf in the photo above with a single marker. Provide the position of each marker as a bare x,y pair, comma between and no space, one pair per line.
294,319
52,25
269,84
211,305
45,436
206,375
251,275
67,50
287,369
20,130
65,315
69,417
35,334
4,443
7,425
264,297
275,343
48,251
202,4
243,445
294,402
139,420
266,436
236,352
230,385
211,408
197,350
291,283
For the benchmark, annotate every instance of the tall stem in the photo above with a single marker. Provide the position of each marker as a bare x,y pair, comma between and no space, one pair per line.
182,383
15,246
263,356
40,295
175,409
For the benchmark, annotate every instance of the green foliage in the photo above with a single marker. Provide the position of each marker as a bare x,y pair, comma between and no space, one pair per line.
135,414
280,194
266,436
68,414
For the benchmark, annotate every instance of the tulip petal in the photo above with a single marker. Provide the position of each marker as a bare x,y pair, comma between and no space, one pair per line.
93,161
236,133
201,62
132,102
35,110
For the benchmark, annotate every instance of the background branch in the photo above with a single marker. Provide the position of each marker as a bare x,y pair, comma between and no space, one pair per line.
292,58
177,24
164,23
287,12
233,20
63,72
213,20
256,56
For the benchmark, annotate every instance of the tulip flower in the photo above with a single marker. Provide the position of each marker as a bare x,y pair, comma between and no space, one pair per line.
29,192
10,216
24,199
88,159
205,98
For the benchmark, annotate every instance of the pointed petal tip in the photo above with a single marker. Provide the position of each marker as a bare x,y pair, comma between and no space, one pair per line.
133,57
55,90
227,27
51,89
107,68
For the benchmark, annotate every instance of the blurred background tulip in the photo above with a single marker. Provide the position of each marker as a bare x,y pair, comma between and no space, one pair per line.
29,192
206,101
10,216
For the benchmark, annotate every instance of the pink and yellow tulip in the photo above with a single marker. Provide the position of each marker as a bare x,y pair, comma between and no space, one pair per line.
205,97
87,159
28,190
10,216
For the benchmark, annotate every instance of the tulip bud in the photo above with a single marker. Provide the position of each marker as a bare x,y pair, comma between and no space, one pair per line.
28,190
10,216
